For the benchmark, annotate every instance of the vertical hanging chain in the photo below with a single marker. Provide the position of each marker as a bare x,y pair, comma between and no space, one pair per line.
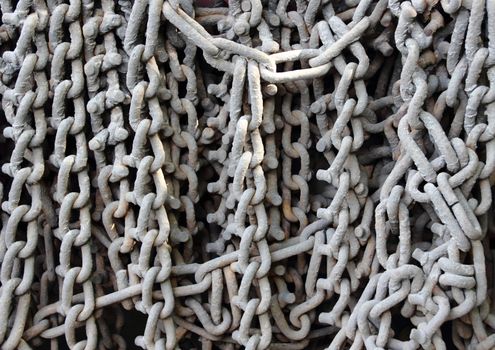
250,174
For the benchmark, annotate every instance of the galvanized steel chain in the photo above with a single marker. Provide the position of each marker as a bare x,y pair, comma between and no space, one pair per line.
247,174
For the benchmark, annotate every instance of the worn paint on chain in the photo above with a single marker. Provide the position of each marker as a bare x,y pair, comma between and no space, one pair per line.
247,174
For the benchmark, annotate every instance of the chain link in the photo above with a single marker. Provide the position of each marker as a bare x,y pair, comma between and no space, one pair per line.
254,174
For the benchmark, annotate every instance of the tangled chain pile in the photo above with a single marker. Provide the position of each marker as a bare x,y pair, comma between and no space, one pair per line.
259,174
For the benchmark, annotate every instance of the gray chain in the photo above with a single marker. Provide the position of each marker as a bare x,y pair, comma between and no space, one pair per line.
247,174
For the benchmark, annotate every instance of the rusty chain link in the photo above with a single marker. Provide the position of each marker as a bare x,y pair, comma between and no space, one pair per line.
255,174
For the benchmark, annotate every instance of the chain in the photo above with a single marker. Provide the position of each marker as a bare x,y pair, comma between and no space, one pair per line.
253,174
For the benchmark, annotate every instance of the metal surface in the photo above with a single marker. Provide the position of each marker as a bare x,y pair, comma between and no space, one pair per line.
255,174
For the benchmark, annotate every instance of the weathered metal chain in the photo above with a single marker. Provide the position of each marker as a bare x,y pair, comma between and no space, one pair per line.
247,174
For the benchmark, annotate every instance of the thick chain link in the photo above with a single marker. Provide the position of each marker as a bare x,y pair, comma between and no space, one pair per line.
254,174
